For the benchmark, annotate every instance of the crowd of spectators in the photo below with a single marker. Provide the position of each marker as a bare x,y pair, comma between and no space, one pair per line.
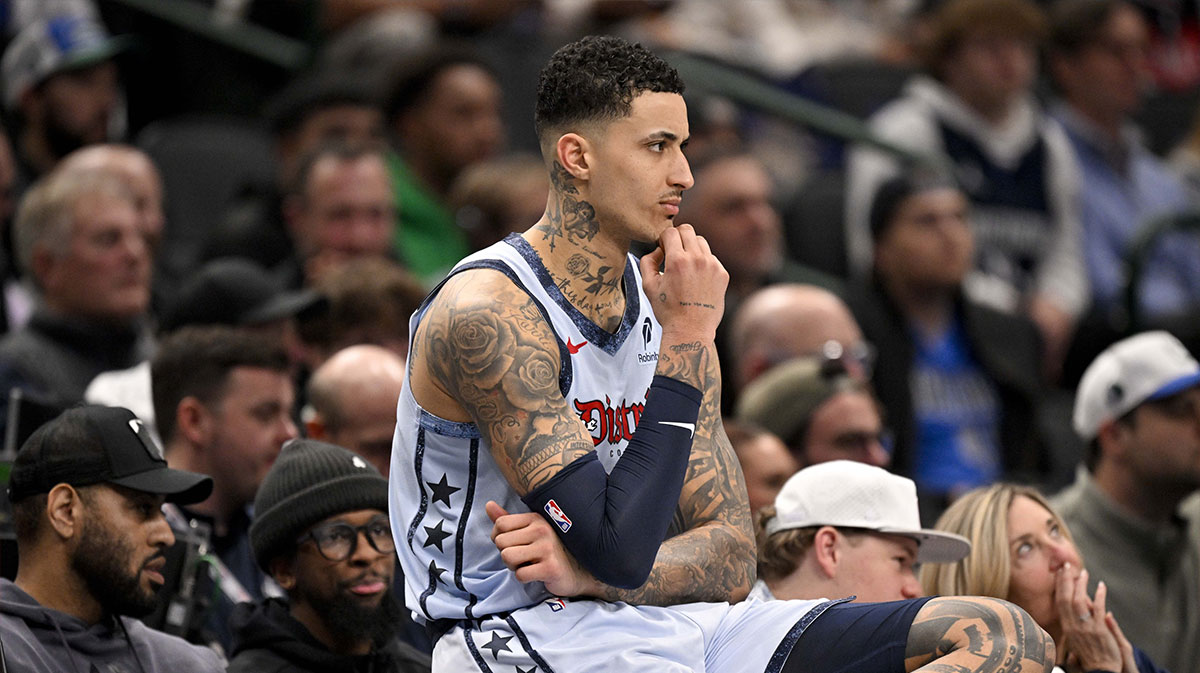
1000,333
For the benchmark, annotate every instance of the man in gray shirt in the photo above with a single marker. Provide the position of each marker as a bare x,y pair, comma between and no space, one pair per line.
1133,510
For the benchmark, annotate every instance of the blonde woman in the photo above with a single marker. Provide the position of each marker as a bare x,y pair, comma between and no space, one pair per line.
1021,551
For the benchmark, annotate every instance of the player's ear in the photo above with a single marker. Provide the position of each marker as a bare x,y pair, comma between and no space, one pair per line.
573,153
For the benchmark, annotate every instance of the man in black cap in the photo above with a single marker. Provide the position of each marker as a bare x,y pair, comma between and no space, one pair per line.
87,490
321,530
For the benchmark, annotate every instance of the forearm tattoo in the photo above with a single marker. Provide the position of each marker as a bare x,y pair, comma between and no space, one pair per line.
977,635
713,558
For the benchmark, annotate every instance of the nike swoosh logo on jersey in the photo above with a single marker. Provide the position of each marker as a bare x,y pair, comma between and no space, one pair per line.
574,348
690,427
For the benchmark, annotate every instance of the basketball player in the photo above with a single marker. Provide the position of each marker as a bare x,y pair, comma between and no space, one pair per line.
558,384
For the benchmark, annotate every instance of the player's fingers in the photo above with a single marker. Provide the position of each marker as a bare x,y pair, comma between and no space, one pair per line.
687,237
515,557
651,262
494,510
532,572
524,534
702,245
669,241
512,522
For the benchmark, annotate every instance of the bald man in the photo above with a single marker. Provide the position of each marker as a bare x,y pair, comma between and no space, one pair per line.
788,320
353,397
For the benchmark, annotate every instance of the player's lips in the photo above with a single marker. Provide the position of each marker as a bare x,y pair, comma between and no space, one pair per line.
670,205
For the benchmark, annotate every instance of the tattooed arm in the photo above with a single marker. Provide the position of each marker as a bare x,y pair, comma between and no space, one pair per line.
969,634
712,556
484,346
713,559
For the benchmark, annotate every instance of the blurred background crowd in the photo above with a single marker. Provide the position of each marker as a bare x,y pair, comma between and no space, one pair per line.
935,214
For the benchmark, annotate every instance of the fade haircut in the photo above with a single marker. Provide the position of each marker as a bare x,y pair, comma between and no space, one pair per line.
196,362
596,79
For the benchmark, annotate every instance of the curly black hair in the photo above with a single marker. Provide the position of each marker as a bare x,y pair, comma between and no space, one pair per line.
597,78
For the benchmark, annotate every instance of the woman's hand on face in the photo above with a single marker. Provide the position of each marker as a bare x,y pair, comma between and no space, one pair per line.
1087,639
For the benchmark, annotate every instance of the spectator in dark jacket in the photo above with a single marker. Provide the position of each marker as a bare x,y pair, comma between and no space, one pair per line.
961,379
321,530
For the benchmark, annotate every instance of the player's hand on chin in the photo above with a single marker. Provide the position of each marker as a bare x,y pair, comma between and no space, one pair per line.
688,296
531,549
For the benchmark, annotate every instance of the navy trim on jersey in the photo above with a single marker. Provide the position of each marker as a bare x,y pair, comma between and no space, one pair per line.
424,598
445,428
418,459
606,341
565,371
784,649
459,539
475,652
524,640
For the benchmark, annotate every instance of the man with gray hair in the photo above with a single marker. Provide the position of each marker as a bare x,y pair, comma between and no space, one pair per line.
78,240
1132,510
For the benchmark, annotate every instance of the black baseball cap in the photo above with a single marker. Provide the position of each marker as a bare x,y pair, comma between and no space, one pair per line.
95,444
237,292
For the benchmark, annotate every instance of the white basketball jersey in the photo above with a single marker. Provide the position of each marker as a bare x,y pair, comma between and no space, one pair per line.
442,472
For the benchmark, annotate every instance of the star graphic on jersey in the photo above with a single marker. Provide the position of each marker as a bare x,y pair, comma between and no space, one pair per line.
498,643
522,670
436,535
443,490
436,571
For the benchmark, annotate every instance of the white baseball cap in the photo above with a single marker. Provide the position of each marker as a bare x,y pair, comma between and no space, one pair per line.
849,494
1143,367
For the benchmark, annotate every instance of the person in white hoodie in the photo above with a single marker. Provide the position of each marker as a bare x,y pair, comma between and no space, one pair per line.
87,491
975,110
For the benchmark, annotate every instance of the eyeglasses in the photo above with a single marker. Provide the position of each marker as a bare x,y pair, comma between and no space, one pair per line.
860,355
861,442
338,541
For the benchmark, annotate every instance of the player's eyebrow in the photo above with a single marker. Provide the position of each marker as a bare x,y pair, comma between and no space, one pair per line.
664,135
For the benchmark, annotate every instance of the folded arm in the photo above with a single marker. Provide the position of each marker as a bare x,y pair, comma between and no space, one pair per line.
969,634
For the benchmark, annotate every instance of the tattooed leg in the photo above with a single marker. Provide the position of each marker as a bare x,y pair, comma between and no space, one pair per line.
970,634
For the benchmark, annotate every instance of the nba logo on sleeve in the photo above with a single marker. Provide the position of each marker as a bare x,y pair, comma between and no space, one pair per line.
558,516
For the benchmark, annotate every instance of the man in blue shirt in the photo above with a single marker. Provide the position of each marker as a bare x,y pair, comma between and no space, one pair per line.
1098,58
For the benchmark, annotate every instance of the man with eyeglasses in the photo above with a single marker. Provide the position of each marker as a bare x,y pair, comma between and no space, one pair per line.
820,411
1132,509
321,531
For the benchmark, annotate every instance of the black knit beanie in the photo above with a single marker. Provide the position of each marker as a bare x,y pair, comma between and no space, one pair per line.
310,481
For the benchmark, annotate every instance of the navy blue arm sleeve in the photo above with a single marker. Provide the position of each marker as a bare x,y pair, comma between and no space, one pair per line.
613,524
